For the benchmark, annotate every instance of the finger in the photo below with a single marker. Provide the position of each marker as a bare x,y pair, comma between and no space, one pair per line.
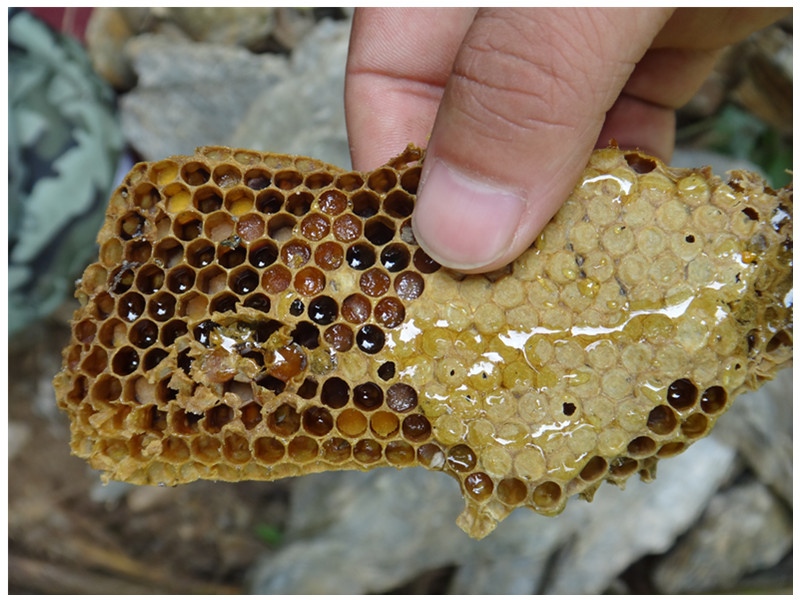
398,63
518,119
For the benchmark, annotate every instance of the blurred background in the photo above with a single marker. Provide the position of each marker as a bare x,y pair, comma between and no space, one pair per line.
92,91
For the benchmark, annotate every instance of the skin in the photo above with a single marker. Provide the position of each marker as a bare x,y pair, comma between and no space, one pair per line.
510,103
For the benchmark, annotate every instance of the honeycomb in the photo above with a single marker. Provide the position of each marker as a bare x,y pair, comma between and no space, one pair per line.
259,316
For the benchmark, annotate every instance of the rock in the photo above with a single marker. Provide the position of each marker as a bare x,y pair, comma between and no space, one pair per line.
744,529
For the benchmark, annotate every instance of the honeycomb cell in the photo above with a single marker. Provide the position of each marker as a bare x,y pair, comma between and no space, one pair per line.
386,370
308,389
367,396
382,180
153,358
250,227
641,446
332,202
257,179
399,453
175,450
349,182
95,363
112,333
195,173
398,204
662,420
329,256
219,226
347,228
121,280
479,486
268,450
103,305
258,302
713,400
187,226
317,421
374,283
299,203
340,337
356,309
306,334
287,179
410,179
143,334
512,491
164,172
309,281
379,231
226,176
161,307
281,227
682,394
207,199
170,332
276,279
409,285
131,306
270,202
389,312
185,423
149,279
200,253
424,263
243,280
111,252
365,204
131,226
297,308
395,258
360,256
167,253
671,449
231,256
263,254
370,339
105,389
223,302
336,450
695,425
315,227
323,310
431,456
401,397
384,424
217,418
461,458
303,449
318,180
367,451
351,422
416,428
335,392
84,331
192,305
547,494
206,449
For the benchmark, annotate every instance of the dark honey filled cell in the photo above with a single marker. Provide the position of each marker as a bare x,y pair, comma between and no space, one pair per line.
594,469
347,228
287,180
263,254
131,306
272,383
370,339
367,396
202,332
306,334
195,173
461,458
390,312
185,361
153,358
547,494
332,202
340,337
269,202
314,227
713,400
395,257
172,331
360,256
180,279
257,179
399,453
662,420
329,256
224,302
512,491
258,302
308,389
374,283
268,450
229,257
168,253
409,285
243,280
367,451
317,421
207,199
336,450
682,394
386,370
379,231
323,310
303,449
161,307
398,204
424,263
296,308
200,253
143,333
356,309
284,420
335,393
125,361
479,486
299,203
401,397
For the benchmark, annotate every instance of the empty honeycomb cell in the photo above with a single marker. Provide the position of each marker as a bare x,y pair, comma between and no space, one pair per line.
131,226
416,428
243,280
206,449
713,400
374,282
401,397
384,424
347,228
398,204
122,280
370,339
192,305
641,446
105,389
329,256
332,202
175,450
431,456
356,309
258,302
461,458
318,180
268,450
299,203
336,450
695,425
250,227
317,421
367,396
512,491
360,256
400,453
161,307
149,279
95,362
187,225
257,179
73,356
207,199
662,420
219,226
409,180
351,422
200,253
382,180
226,176
409,285
779,340
284,420
315,227
164,172
263,254
143,333
623,467
223,302
340,337
103,305
270,201
230,256
131,306
84,331
365,204
349,182
640,163
379,231
309,281
281,227
367,451
682,394
169,332
167,253
217,418
547,495
287,179
236,449
195,173
479,486
303,449
671,449
153,358
323,310
389,312
111,252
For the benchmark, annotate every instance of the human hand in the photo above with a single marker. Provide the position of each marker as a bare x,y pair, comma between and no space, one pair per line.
514,101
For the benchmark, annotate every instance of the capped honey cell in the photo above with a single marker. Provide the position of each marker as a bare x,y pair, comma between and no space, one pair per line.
257,316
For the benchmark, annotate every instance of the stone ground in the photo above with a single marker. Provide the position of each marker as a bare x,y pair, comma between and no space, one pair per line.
717,519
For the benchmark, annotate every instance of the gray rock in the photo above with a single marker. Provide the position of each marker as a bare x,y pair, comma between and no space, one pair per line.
744,529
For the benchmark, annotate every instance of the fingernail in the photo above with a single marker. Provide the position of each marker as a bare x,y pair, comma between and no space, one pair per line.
463,223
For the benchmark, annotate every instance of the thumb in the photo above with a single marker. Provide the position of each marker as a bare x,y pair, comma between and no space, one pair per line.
520,115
